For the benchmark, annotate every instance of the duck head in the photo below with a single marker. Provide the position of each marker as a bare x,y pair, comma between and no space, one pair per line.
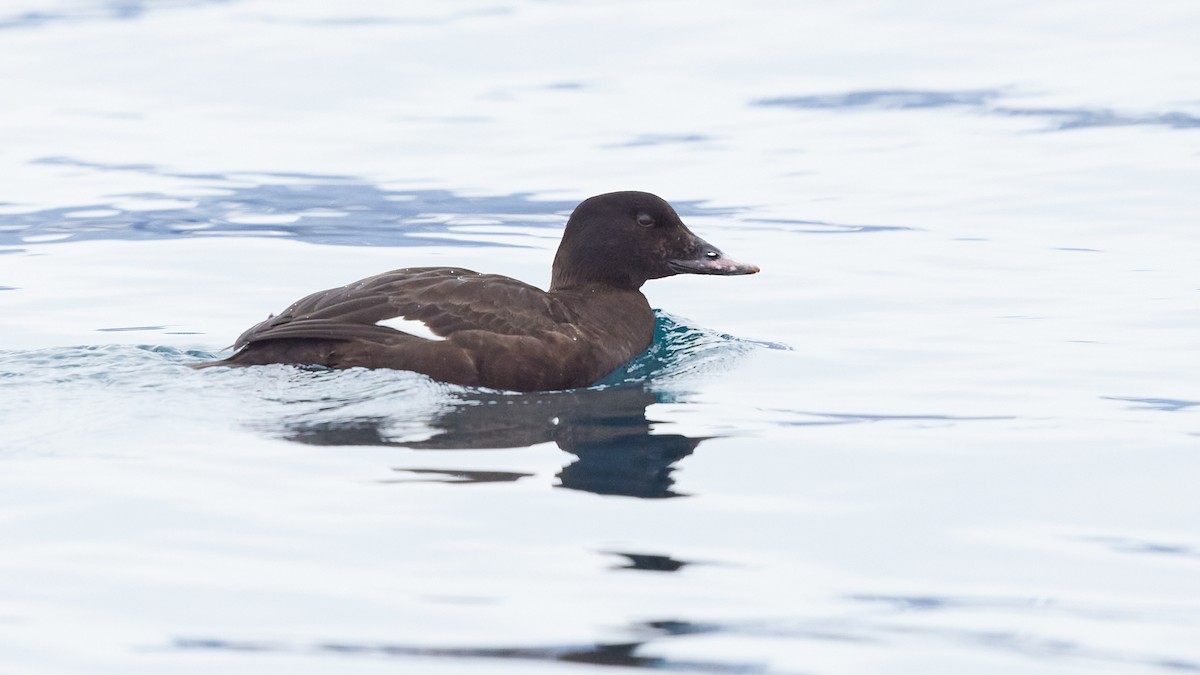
623,239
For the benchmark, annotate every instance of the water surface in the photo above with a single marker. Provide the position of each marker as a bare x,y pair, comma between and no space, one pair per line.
951,427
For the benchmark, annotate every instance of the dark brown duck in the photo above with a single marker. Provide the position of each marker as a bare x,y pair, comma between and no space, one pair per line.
499,332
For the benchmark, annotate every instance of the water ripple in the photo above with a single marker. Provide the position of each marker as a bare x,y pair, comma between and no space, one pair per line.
623,654
320,209
605,425
983,101
1164,404
112,10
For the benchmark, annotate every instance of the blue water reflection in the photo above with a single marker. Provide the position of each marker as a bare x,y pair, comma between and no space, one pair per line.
107,10
318,209
983,101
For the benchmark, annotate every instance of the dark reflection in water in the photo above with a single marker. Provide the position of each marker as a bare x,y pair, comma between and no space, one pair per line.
650,562
619,654
983,100
459,476
880,626
606,429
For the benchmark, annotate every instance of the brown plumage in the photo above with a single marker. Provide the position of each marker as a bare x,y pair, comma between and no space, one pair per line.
500,332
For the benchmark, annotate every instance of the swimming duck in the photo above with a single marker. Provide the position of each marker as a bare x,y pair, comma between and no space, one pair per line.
494,331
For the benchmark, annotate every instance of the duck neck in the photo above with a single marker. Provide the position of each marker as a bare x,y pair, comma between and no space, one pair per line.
568,273
592,285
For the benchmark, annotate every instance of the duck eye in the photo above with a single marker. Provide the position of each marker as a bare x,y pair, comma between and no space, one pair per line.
645,220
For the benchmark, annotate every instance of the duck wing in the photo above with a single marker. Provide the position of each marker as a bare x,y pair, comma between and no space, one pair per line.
446,299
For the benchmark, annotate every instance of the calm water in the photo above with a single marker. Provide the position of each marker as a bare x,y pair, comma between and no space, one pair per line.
953,427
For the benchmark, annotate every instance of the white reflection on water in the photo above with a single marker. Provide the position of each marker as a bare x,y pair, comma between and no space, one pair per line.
976,224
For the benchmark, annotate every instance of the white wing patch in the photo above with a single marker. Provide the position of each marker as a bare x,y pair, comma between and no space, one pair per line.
410,326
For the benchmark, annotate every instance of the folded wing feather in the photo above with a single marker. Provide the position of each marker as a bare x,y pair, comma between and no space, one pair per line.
445,299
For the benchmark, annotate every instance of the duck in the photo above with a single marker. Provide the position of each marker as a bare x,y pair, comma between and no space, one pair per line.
493,331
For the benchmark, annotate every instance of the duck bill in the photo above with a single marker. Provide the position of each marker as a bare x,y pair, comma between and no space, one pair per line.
709,259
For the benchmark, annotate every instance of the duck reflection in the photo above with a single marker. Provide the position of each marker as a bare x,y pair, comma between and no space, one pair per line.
606,429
